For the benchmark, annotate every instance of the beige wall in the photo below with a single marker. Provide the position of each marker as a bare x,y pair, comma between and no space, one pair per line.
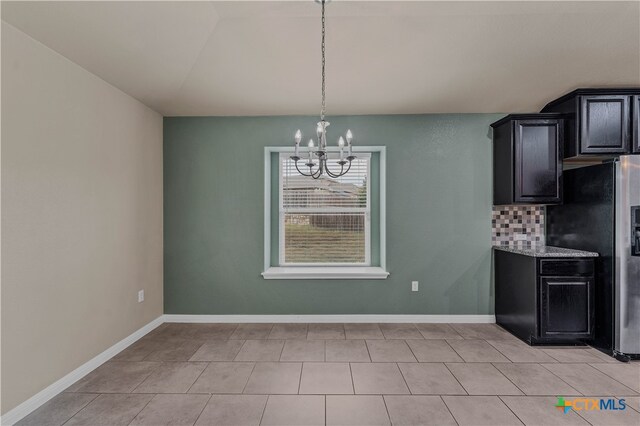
81,216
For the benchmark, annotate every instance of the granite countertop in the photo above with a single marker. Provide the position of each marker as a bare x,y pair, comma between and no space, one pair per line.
546,251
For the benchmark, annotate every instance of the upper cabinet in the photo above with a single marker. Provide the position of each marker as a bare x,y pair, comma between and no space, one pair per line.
635,111
527,159
598,121
604,124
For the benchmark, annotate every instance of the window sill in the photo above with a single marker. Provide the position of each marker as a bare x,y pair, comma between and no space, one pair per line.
325,273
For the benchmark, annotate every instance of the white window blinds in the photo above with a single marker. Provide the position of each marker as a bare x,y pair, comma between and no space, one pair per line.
325,220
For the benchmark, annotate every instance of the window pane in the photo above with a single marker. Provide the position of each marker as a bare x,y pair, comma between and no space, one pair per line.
325,220
324,238
348,191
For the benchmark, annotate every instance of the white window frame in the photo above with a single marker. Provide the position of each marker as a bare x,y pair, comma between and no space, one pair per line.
367,218
326,271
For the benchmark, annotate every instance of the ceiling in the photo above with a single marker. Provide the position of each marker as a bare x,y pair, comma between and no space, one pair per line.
263,58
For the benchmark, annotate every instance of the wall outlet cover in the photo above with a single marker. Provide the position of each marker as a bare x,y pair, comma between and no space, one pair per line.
521,237
414,285
141,296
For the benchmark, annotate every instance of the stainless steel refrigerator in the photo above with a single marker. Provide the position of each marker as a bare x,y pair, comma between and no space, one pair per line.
601,213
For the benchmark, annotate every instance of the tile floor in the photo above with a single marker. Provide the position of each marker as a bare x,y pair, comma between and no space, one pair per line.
342,374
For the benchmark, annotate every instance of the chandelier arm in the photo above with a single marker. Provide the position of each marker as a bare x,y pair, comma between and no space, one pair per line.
319,173
335,175
299,171
348,168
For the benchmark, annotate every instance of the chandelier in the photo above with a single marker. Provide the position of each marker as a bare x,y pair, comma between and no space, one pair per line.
318,152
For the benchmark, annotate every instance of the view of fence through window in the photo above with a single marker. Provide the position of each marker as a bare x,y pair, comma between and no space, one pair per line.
324,220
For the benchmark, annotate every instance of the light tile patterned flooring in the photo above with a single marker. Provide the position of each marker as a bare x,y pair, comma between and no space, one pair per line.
342,374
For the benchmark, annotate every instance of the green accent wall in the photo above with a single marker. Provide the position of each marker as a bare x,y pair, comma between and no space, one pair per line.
438,217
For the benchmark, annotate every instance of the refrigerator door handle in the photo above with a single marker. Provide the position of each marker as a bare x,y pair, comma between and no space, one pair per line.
635,231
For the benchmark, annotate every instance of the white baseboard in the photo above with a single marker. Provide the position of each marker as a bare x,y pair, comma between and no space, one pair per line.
331,318
31,404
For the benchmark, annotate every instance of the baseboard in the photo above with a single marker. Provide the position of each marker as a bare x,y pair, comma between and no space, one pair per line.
331,318
31,404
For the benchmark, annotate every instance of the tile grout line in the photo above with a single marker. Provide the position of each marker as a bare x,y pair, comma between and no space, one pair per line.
554,358
384,401
585,419
353,385
561,379
509,408
458,353
633,407
284,342
147,376
420,331
264,409
404,379
384,336
73,415
454,351
324,350
612,378
76,413
507,377
270,329
551,372
199,375
203,408
454,376
248,378
366,345
244,342
449,409
501,353
411,349
145,406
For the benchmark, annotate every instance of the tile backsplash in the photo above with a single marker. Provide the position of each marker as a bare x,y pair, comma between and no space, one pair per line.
517,226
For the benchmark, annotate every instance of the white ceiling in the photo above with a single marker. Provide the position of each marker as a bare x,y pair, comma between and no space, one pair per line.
263,58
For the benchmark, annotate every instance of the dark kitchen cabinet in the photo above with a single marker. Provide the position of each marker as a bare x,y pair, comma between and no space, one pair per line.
604,124
565,306
598,121
545,300
527,159
635,134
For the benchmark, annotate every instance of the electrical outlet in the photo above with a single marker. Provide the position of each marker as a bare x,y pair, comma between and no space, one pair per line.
141,296
414,285
521,237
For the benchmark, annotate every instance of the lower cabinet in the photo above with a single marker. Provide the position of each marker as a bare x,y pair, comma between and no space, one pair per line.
565,307
545,300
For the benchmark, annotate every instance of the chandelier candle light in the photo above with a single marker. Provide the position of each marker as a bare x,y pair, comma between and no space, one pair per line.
321,152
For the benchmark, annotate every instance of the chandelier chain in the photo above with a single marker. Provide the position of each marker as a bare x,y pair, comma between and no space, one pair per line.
320,151
322,111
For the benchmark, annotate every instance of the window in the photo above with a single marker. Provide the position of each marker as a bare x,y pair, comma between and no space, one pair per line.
329,228
325,221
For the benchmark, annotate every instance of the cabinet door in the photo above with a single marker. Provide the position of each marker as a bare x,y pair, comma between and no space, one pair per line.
635,110
538,161
605,124
566,306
